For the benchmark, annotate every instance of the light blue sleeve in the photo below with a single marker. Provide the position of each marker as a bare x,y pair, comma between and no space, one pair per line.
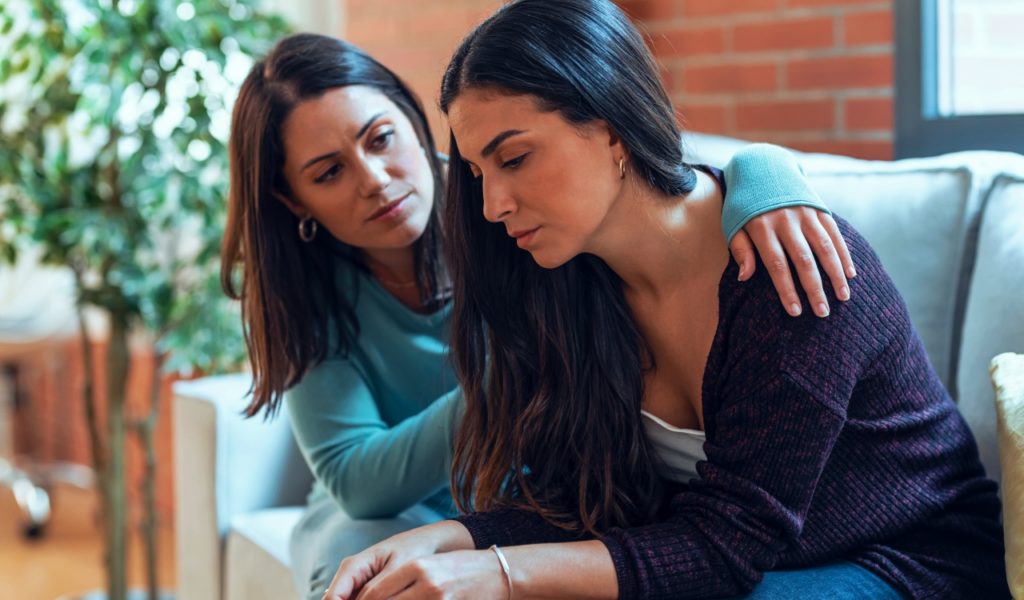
373,471
761,178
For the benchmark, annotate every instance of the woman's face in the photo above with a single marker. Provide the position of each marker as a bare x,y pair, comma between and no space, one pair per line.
551,183
353,161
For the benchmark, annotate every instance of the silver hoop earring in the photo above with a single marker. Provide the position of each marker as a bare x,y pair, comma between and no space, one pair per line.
622,168
307,229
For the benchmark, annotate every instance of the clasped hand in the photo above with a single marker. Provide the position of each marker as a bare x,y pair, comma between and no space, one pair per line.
424,563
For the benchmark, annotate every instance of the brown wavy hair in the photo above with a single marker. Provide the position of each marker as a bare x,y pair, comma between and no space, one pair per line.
551,361
296,305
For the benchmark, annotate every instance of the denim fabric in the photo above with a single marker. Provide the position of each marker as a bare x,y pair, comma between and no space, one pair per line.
835,581
325,535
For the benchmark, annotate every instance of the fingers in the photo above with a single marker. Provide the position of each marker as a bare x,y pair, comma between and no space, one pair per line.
830,226
800,253
390,583
823,247
342,585
774,258
742,250
353,572
801,234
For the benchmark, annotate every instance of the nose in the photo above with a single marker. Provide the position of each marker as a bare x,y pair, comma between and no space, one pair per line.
374,176
498,202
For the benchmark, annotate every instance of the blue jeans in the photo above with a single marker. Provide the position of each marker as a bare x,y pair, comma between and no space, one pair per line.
325,535
835,581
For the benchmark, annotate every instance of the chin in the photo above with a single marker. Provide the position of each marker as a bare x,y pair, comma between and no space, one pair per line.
549,260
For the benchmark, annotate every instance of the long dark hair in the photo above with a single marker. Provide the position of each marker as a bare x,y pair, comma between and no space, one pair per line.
295,308
551,361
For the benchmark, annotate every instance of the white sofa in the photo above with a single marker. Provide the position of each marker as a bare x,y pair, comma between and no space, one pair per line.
949,229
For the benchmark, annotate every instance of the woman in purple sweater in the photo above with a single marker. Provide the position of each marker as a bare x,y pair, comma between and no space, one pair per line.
639,424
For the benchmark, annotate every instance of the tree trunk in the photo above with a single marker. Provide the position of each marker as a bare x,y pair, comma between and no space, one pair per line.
96,446
146,429
117,374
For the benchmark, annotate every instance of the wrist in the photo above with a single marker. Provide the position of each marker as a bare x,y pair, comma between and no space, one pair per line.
451,535
506,572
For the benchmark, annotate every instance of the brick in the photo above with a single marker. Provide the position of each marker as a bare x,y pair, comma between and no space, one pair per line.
649,10
785,115
689,42
709,118
668,78
868,114
867,149
831,3
785,34
742,77
868,28
840,72
714,8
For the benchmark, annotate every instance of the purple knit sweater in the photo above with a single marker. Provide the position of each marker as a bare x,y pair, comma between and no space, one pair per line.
827,439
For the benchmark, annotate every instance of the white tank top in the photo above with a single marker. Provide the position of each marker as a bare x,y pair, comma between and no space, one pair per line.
679,449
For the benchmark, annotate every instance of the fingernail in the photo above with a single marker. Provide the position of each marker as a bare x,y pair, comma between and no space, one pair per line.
794,309
822,309
844,293
853,272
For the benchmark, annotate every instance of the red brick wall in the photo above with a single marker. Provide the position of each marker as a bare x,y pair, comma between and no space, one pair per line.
811,74
415,39
50,424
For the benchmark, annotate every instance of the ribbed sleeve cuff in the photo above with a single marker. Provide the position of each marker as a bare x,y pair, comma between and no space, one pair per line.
624,574
483,528
737,218
761,178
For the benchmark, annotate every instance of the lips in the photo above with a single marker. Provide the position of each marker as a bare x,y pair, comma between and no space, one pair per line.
523,236
388,208
522,232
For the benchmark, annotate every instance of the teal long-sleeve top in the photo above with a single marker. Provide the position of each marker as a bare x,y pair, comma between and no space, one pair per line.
376,426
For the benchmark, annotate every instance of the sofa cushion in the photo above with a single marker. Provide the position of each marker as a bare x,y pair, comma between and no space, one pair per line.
1008,380
256,562
916,215
994,318
916,219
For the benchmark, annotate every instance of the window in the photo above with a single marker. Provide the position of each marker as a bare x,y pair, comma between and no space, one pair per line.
959,76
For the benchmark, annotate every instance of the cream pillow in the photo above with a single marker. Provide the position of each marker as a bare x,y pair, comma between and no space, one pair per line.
1008,378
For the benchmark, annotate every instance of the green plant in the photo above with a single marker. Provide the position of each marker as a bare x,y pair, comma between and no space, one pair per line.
114,117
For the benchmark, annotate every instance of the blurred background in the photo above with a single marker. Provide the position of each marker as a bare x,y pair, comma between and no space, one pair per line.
114,119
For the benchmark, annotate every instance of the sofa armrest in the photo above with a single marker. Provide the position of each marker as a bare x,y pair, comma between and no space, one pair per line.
225,465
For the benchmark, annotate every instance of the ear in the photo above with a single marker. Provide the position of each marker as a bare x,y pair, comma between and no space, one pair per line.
614,141
293,206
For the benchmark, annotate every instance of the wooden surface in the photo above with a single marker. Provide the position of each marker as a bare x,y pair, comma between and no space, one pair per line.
67,560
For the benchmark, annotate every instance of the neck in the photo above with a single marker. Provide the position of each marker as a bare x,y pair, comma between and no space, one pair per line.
394,266
657,243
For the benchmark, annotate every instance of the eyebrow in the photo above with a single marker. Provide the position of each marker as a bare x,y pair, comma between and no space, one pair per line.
498,139
359,134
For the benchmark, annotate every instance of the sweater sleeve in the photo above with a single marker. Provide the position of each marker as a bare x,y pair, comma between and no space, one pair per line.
727,528
372,470
774,414
751,502
762,178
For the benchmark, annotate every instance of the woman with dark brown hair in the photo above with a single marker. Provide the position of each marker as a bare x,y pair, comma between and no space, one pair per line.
333,247
638,423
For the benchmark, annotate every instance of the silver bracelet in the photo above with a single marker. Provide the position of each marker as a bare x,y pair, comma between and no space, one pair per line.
504,567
